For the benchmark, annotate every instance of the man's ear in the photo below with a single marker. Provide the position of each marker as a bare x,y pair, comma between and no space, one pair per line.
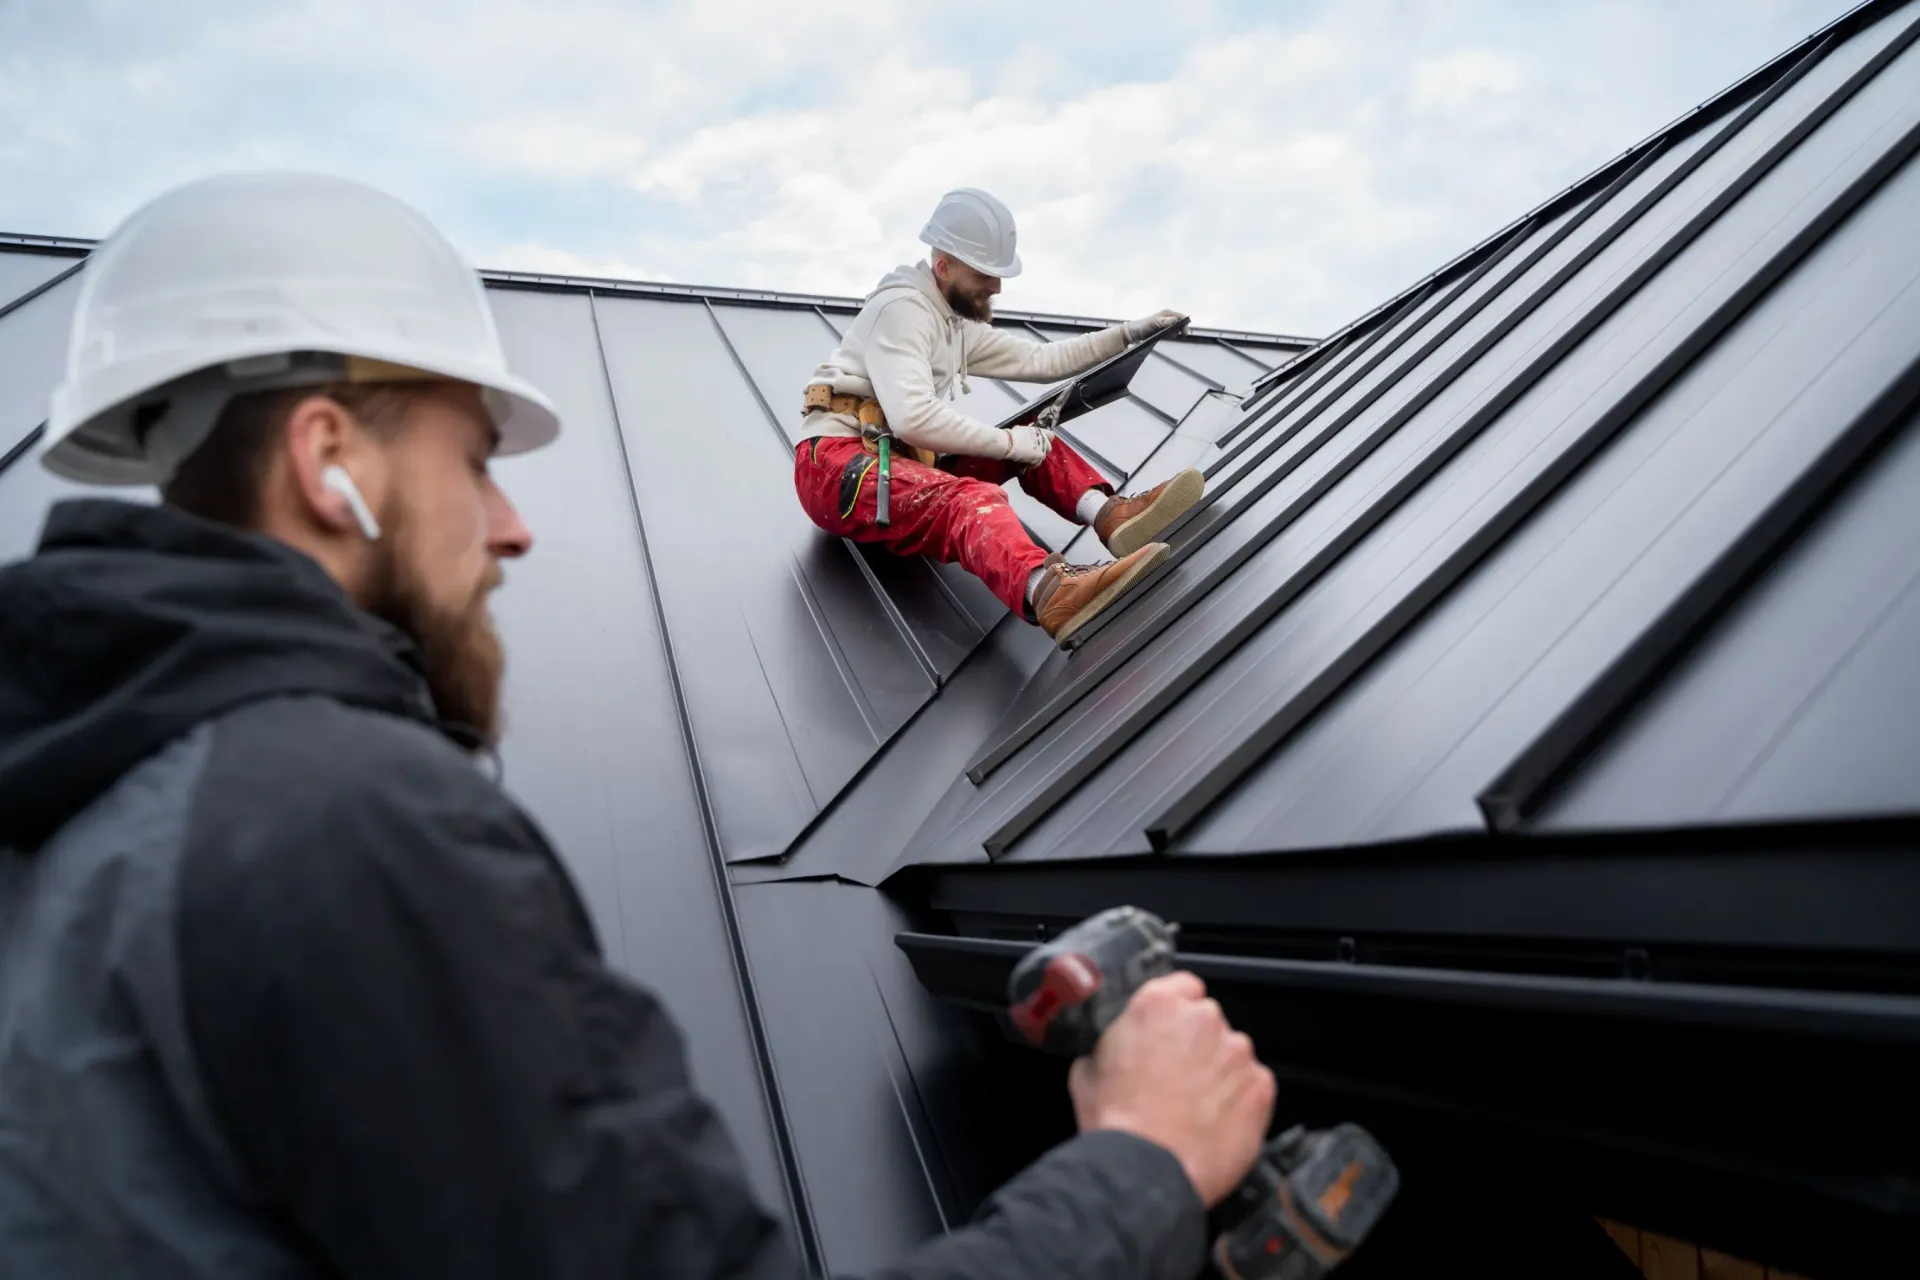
942,267
321,433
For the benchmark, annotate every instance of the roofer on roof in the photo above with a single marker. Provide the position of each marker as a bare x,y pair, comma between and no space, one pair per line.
923,330
288,987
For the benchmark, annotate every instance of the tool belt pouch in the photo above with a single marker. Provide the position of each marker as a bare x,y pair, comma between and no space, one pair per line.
872,419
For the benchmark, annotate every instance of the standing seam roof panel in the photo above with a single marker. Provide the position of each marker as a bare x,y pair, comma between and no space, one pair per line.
942,610
1824,84
783,638
1729,254
779,349
1726,737
34,336
1197,569
1232,370
21,273
1403,751
1247,516
862,834
590,707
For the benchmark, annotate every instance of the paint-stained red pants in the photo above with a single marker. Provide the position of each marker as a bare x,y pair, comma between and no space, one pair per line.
961,515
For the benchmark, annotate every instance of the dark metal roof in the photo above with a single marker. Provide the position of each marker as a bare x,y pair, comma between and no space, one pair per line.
1604,529
699,678
1440,558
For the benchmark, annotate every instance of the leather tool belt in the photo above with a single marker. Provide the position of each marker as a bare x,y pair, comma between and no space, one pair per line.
873,421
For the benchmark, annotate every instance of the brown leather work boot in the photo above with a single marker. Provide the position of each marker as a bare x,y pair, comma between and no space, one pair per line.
1128,524
1072,595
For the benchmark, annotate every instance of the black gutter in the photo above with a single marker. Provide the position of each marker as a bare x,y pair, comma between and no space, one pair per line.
1669,904
974,972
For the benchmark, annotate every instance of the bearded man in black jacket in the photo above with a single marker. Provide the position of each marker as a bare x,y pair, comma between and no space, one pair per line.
288,987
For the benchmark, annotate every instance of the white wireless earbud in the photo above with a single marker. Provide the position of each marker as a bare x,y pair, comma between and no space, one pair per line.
336,478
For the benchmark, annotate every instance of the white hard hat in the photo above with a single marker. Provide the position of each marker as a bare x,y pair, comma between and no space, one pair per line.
253,281
975,228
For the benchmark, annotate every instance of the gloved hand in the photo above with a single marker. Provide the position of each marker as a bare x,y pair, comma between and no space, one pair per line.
1141,329
1028,445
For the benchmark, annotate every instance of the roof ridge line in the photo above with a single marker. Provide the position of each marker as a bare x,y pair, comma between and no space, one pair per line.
71,246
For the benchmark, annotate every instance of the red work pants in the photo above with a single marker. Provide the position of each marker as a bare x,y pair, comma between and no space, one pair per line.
958,515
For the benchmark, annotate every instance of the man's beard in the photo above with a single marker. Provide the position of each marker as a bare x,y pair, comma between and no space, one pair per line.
460,651
977,306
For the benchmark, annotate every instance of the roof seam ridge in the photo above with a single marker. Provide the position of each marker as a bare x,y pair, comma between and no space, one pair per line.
1176,815
793,1179
1095,756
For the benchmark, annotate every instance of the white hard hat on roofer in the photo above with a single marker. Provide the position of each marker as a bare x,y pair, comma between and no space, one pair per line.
251,282
975,228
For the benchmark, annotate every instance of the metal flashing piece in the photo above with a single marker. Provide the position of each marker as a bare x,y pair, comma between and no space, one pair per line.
974,972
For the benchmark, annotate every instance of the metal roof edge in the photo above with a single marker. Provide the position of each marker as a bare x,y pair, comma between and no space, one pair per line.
68,246
782,298
56,246
1754,82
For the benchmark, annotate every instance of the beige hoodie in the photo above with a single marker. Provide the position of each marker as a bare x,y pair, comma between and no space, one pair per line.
907,349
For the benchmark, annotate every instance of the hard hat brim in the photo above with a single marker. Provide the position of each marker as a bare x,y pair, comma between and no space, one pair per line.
523,415
930,237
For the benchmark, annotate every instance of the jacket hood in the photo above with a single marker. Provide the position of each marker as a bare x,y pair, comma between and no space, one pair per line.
130,624
919,278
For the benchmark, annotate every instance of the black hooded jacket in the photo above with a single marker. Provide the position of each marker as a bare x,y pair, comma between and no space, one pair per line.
288,987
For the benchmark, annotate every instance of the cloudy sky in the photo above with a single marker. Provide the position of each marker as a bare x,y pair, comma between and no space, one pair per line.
1278,165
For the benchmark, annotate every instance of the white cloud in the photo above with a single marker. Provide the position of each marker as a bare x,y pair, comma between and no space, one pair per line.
1257,167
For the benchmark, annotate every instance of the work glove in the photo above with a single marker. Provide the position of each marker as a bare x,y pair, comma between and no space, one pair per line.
1028,446
1139,330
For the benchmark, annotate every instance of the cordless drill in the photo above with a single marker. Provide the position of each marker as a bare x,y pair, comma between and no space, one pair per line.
1311,1198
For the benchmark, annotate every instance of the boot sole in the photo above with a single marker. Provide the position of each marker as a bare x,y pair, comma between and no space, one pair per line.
1111,592
1151,523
